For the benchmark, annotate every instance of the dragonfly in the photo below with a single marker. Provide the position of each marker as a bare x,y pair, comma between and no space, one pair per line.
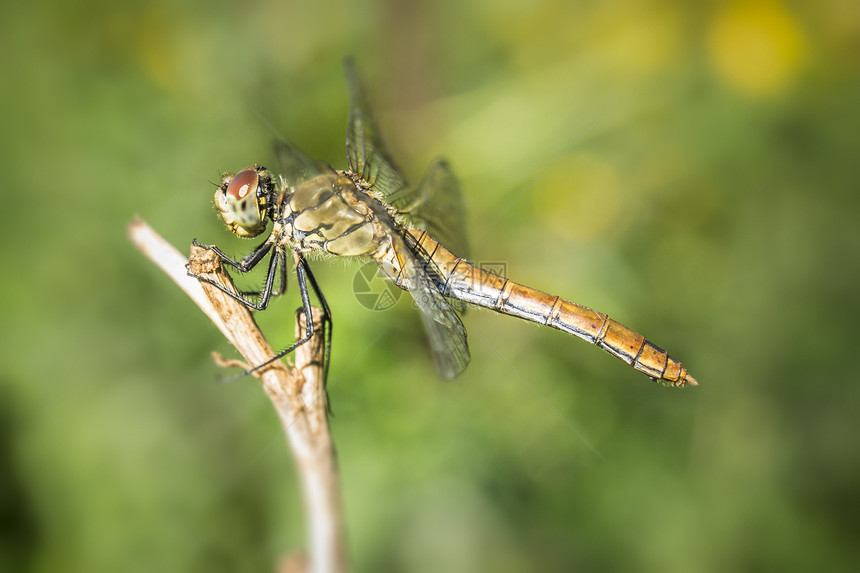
411,232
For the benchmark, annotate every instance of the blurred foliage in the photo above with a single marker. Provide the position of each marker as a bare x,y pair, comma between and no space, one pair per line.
688,168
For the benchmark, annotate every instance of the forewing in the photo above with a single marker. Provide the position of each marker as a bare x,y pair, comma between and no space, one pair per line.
364,147
296,167
436,206
444,328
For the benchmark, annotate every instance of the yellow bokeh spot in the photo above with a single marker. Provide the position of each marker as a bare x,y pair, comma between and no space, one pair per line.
756,48
642,38
580,198
155,38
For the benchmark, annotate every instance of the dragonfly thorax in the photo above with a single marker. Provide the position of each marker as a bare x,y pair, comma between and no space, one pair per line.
331,213
244,199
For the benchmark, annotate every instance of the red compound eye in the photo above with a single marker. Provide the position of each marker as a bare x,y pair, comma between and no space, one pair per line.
245,182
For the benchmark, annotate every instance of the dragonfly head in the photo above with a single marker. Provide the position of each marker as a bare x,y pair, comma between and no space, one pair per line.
243,200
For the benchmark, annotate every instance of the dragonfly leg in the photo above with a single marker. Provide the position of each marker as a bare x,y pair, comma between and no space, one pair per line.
302,274
266,293
247,262
282,287
327,323
282,279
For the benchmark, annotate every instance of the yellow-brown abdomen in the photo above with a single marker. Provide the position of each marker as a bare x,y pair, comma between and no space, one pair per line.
466,282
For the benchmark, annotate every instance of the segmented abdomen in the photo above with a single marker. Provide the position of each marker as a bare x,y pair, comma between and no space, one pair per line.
466,282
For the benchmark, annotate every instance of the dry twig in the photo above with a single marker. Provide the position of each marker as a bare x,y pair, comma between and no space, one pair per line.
297,393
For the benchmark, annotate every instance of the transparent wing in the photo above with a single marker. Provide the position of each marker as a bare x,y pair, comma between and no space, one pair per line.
436,206
364,147
445,331
296,167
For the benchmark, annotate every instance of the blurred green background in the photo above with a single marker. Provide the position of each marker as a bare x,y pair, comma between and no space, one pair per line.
688,168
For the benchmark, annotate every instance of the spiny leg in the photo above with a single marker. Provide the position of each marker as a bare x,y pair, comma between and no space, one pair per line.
327,331
301,279
282,276
248,263
282,288
303,274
